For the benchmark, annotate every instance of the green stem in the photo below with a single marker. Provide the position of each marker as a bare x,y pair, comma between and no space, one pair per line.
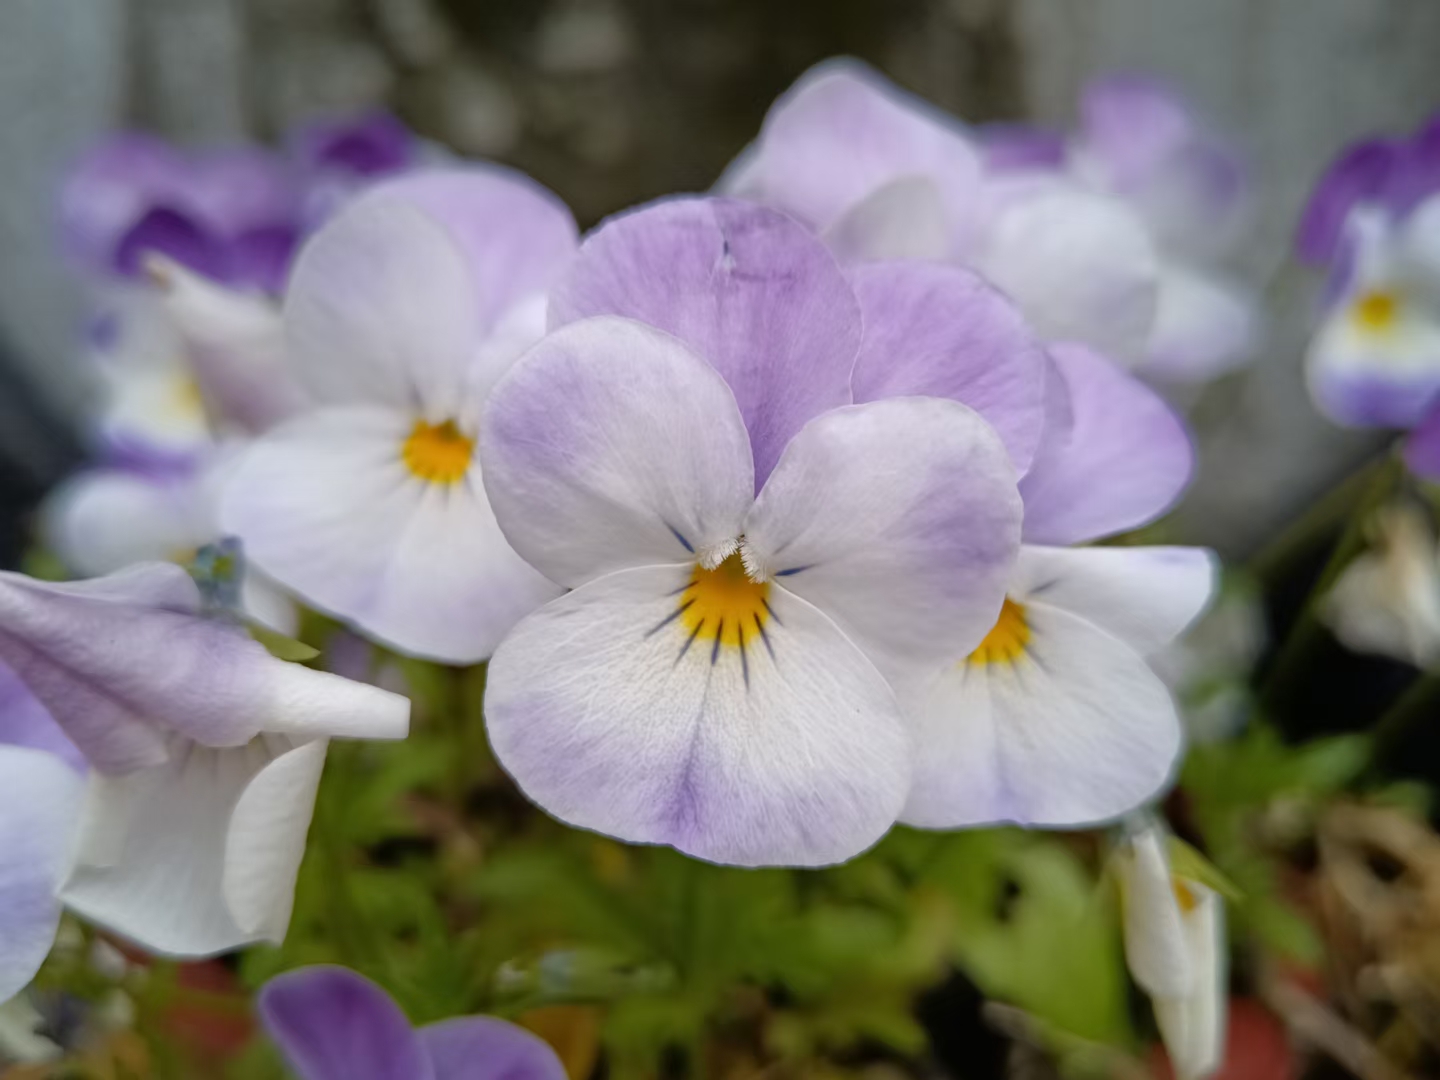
1420,703
1319,519
1306,632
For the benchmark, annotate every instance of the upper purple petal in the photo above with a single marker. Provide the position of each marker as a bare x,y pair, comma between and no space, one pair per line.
1134,124
1122,461
1360,173
1010,147
484,1048
112,186
166,231
748,289
940,331
332,1024
371,144
1422,449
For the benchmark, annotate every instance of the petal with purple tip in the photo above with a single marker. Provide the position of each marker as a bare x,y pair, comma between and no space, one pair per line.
485,1048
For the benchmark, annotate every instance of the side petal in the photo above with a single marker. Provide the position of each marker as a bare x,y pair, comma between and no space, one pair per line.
518,237
235,343
485,1048
332,1024
940,331
843,131
904,219
1204,326
1122,462
900,520
266,840
153,849
1075,730
778,748
1080,265
382,310
611,445
39,800
748,289
1145,596
326,505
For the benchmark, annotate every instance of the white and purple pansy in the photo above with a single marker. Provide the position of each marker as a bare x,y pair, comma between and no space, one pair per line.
1056,718
401,314
203,755
755,562
332,1024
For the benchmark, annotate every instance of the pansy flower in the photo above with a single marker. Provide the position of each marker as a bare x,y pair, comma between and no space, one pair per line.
1174,929
754,562
1055,718
332,1024
204,752
1104,239
401,314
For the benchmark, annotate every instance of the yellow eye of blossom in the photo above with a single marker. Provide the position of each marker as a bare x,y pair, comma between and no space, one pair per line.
724,605
1376,311
1007,638
437,453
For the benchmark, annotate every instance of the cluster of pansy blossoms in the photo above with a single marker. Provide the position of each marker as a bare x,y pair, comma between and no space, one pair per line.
778,514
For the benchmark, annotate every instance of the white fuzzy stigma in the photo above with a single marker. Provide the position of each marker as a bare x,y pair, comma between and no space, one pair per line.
715,554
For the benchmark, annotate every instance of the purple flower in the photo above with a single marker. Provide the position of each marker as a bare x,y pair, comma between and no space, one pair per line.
754,561
402,312
338,157
332,1024
1105,237
230,214
204,753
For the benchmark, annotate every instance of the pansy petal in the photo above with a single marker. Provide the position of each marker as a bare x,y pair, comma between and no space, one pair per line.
1145,596
103,520
332,1024
648,464
1080,265
1193,1026
900,520
1422,449
486,1048
1359,174
1156,948
843,132
748,289
1122,462
153,849
1204,325
1074,730
25,722
940,331
326,505
266,840
39,800
904,219
382,310
236,347
517,236
1364,376
613,713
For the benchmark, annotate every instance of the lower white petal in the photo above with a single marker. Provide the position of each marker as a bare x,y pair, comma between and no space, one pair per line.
155,845
1075,730
39,804
613,714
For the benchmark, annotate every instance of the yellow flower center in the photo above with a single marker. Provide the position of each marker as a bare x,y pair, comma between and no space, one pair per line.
1007,638
1376,311
437,453
724,606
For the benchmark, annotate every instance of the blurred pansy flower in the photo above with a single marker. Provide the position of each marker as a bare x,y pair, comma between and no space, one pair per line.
1174,928
231,214
1387,601
1056,718
204,753
751,560
1107,238
332,1024
338,156
401,314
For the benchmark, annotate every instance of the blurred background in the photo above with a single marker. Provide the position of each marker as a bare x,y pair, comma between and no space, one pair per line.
610,102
